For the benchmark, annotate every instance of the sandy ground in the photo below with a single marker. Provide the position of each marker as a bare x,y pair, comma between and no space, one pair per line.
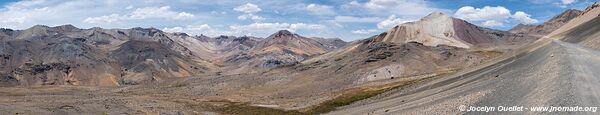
85,100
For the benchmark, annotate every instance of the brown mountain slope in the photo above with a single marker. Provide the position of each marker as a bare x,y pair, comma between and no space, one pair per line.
280,48
330,43
437,43
588,14
587,33
66,62
285,40
548,26
142,55
43,55
215,48
439,29
145,61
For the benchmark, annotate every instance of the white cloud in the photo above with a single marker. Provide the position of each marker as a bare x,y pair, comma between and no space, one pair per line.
158,12
564,3
174,17
524,18
129,7
104,19
482,14
163,12
183,16
390,22
320,9
492,16
354,3
352,19
492,23
247,8
203,29
277,26
299,26
376,4
25,5
26,13
251,16
412,8
568,1
249,11
14,20
258,28
264,29
364,31
254,29
105,14
557,3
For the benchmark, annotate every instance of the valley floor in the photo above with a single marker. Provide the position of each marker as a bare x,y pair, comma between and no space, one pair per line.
171,97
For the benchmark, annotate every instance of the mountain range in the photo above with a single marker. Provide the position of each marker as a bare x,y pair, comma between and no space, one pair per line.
425,66
67,55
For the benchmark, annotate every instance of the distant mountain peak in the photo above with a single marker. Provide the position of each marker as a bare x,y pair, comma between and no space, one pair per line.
565,16
147,30
66,27
96,28
283,33
436,15
571,13
573,10
591,7
39,27
548,26
6,29
436,29
182,34
225,37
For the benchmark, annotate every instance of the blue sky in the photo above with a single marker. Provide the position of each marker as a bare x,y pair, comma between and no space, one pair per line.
345,19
